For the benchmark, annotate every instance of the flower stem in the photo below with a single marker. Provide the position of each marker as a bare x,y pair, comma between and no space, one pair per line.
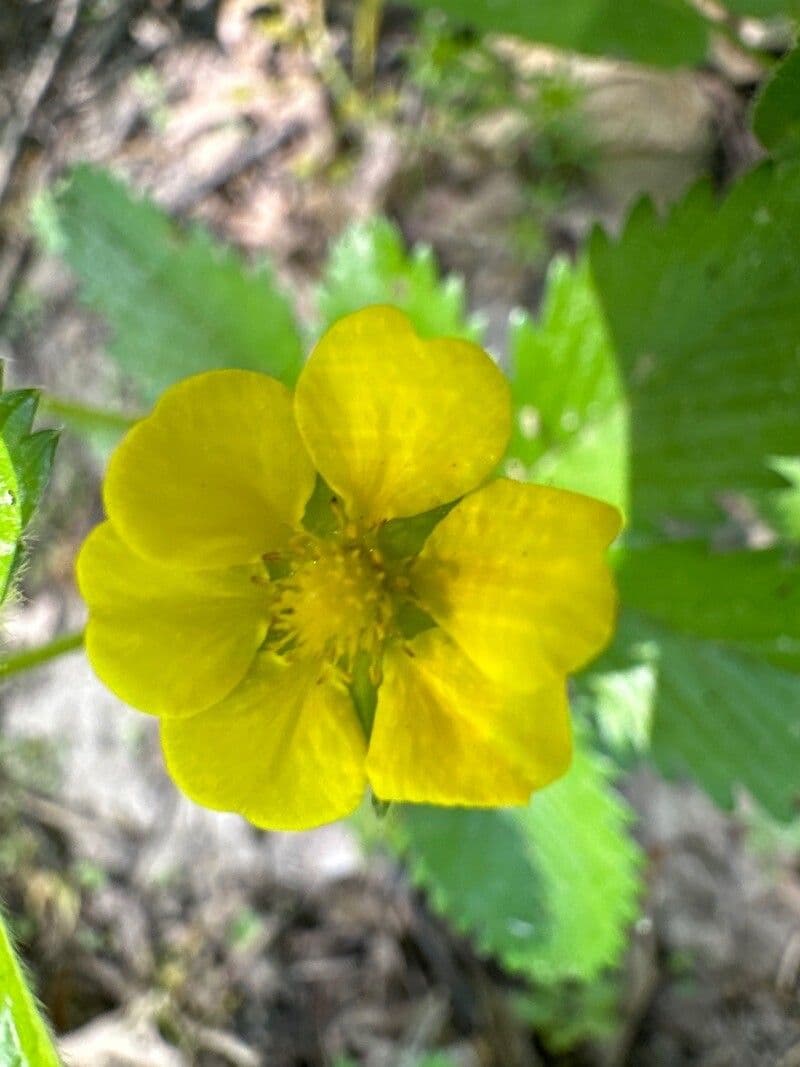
85,418
35,657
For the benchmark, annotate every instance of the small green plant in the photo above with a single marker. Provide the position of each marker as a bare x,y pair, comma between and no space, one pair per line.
661,376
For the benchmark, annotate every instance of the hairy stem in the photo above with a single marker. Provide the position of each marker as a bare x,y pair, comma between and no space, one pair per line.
83,416
35,657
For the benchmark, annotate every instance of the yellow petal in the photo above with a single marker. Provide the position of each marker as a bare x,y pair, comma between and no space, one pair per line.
285,749
445,734
166,640
216,475
396,424
516,574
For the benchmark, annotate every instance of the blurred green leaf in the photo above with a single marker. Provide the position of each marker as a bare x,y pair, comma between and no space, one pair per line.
569,1014
763,8
24,1041
177,302
549,889
703,311
570,417
665,32
776,114
781,507
369,264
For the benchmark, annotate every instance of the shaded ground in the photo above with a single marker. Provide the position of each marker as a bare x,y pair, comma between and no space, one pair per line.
165,935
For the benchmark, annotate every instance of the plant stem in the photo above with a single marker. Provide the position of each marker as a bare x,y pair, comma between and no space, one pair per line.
81,415
35,657
365,42
330,70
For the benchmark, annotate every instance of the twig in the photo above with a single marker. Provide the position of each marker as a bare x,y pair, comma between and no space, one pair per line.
254,150
220,1043
36,85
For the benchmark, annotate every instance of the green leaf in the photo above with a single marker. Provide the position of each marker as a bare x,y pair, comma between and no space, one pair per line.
579,834
25,462
549,889
10,518
177,302
763,8
776,114
750,600
33,461
477,869
781,507
665,33
716,715
570,416
370,265
703,674
24,1040
30,453
703,311
568,1015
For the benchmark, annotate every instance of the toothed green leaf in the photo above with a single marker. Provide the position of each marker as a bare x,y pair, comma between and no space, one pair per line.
703,674
749,600
579,833
369,264
549,889
715,714
25,462
10,519
702,309
177,302
477,869
24,1040
570,417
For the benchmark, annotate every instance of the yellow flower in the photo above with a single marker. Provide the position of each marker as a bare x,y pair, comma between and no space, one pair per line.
269,623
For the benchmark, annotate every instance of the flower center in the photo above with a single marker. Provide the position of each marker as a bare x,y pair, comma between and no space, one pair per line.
334,602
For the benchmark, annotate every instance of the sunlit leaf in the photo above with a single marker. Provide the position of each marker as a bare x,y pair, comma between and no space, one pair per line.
369,264
570,416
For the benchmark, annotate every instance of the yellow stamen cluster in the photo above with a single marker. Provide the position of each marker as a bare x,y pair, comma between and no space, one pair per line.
334,602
